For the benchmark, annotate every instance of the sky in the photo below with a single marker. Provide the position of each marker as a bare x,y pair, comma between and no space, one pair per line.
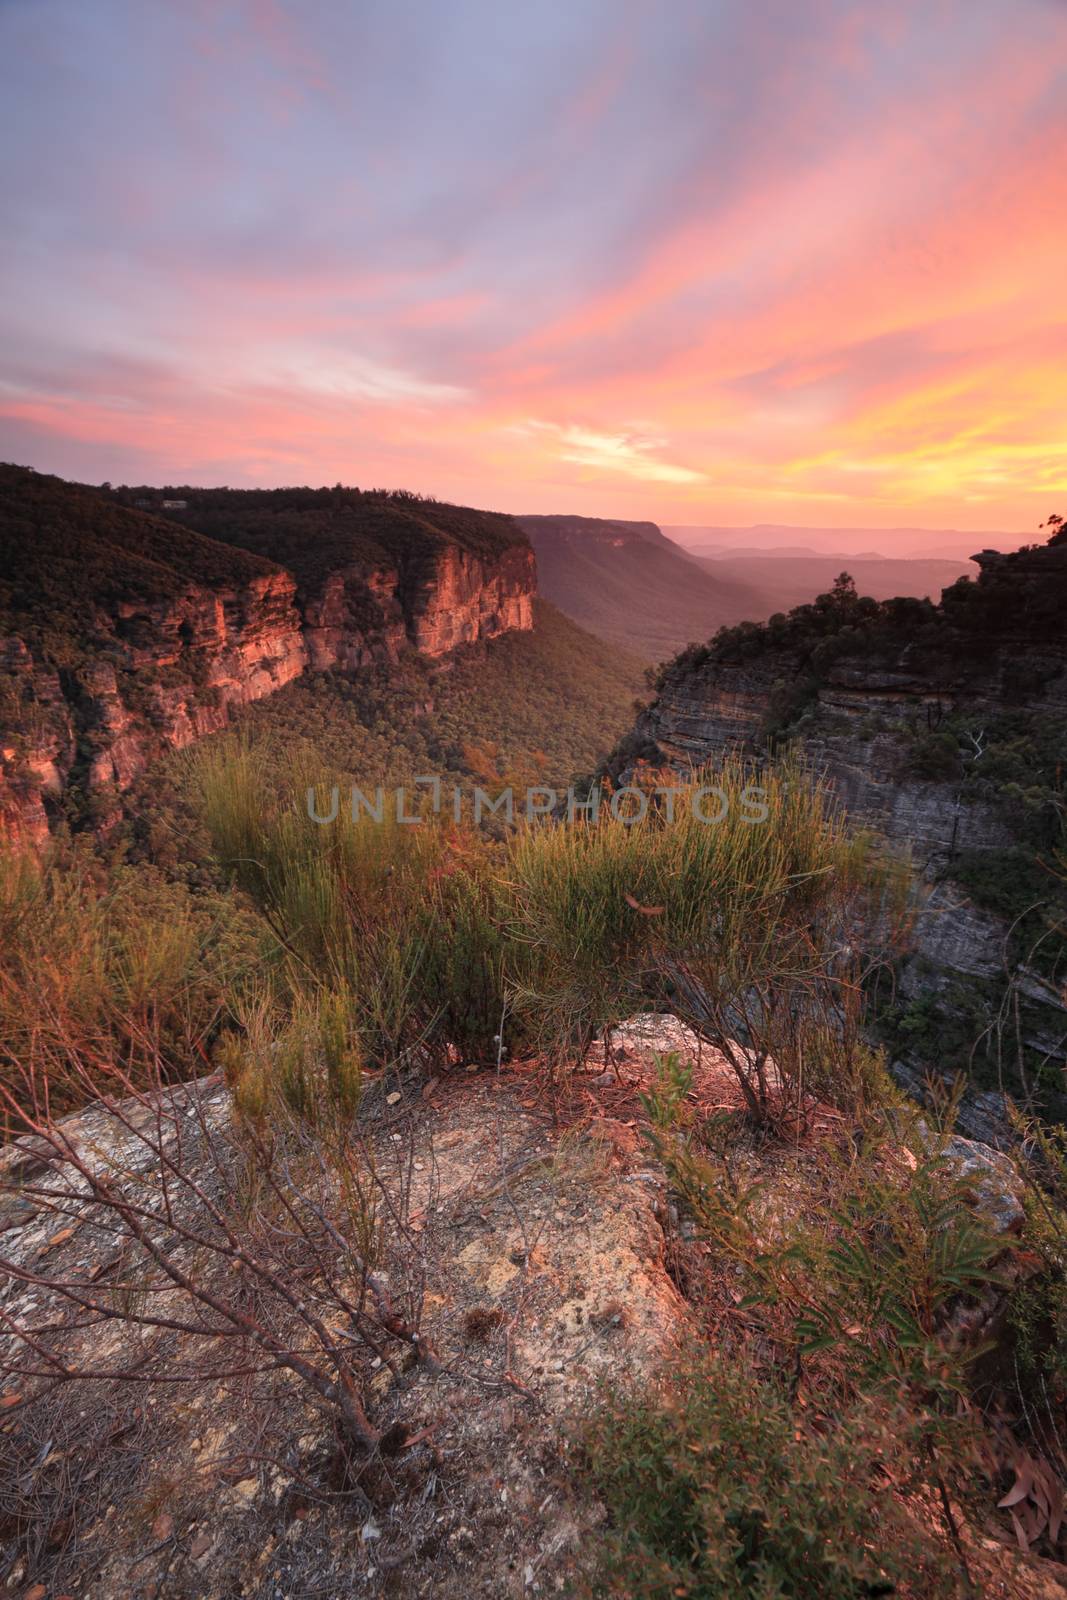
789,261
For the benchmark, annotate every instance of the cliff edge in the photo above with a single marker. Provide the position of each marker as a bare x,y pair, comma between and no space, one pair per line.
132,622
944,728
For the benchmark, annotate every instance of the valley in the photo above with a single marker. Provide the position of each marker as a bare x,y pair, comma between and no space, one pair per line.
372,1152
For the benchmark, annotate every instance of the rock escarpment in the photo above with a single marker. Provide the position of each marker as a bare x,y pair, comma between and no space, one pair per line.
944,729
126,635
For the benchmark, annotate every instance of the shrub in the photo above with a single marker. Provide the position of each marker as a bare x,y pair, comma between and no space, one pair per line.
719,1489
803,1458
749,923
757,933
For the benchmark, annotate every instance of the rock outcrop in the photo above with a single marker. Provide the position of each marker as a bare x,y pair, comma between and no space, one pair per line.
543,1259
128,636
537,1265
898,707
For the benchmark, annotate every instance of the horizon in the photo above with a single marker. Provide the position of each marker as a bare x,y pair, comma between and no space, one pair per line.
727,272
687,536
669,530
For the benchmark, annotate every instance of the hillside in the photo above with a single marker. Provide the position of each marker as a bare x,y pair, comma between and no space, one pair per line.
632,585
530,707
126,634
71,558
627,583
313,531
547,702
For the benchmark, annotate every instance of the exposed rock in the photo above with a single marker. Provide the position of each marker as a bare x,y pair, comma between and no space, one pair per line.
857,728
540,1272
37,754
998,1185
163,665
466,599
538,1254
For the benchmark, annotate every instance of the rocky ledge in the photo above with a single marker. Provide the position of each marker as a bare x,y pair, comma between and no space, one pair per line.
538,1251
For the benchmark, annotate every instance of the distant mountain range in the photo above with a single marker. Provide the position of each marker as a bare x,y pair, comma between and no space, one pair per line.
776,538
783,581
629,583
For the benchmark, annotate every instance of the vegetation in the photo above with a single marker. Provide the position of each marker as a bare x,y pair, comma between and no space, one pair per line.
803,1457
534,707
313,532
1014,596
116,961
721,1488
834,1434
71,555
949,645
434,935
985,733
833,1438
526,708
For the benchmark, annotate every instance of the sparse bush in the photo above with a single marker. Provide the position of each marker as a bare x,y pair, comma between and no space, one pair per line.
243,1246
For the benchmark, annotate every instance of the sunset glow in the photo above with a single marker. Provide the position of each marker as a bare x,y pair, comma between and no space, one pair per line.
708,262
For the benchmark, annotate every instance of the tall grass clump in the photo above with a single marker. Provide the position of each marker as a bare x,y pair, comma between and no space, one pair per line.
305,1056
740,904
757,927
113,964
396,918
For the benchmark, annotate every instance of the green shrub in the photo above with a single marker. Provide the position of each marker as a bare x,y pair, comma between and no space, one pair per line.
749,928
399,918
306,1056
804,1455
719,1488
754,932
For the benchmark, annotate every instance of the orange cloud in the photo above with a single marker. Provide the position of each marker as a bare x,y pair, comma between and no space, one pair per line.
822,263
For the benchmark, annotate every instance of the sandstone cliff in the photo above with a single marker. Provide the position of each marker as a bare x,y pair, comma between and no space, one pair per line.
943,728
125,635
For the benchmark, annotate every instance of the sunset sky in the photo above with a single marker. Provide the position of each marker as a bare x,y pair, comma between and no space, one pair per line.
773,261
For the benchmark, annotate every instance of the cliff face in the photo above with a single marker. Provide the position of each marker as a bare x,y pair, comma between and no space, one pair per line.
362,614
168,674
467,597
943,732
124,639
